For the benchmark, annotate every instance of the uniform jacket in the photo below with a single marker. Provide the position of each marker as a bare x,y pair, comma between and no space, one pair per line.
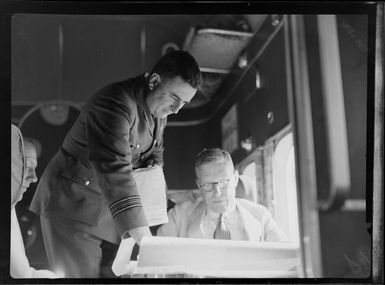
114,134
185,220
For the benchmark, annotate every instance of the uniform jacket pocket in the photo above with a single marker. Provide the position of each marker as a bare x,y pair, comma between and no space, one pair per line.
75,196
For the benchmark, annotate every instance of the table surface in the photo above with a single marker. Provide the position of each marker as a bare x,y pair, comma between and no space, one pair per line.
175,272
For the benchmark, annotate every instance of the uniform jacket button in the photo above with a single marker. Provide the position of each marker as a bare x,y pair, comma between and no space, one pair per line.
138,146
86,182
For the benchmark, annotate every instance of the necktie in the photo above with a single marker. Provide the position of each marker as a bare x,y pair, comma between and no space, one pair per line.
221,231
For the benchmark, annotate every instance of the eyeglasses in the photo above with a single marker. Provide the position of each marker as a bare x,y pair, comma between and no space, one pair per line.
209,187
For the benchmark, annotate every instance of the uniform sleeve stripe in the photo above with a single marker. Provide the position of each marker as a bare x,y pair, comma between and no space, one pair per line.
124,209
136,197
125,202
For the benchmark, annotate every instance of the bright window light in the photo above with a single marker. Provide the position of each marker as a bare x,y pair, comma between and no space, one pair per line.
285,188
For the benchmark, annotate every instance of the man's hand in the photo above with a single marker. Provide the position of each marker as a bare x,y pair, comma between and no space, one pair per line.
122,266
138,233
153,160
150,163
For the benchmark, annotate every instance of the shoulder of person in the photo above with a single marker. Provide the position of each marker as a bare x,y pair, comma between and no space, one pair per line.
255,208
117,94
188,206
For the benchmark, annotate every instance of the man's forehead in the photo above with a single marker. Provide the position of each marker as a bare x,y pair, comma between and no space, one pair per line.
214,168
31,159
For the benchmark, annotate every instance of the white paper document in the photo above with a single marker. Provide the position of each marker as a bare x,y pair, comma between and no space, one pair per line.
164,256
152,190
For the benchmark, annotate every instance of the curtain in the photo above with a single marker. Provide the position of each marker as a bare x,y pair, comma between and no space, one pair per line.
259,175
268,152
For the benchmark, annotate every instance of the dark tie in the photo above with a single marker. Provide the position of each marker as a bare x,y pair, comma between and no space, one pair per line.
221,231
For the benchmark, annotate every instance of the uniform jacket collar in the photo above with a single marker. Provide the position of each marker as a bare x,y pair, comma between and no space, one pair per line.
140,94
140,91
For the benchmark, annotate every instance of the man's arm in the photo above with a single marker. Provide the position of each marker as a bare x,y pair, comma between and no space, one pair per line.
273,232
109,119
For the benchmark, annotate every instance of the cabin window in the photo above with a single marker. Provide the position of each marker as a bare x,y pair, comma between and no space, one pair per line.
271,168
247,185
284,187
250,172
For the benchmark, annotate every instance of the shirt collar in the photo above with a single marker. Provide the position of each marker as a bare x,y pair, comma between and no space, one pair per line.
229,215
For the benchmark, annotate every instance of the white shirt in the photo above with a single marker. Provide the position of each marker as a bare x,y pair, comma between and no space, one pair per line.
19,265
231,219
190,219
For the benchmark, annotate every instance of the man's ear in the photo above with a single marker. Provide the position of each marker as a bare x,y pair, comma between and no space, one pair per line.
197,183
154,80
236,177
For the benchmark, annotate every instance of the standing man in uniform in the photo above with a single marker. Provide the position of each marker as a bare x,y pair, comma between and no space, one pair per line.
87,193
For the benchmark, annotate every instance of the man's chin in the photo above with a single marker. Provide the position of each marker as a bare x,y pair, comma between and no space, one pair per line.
19,198
162,115
218,207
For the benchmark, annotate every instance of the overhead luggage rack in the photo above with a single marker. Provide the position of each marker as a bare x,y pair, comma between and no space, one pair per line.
216,50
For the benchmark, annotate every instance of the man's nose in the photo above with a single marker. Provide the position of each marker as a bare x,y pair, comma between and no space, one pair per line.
178,107
217,190
34,177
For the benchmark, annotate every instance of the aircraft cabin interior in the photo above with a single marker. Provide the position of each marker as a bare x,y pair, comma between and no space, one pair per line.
289,96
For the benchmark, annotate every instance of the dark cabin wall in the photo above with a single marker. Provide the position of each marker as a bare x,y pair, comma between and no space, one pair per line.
35,58
344,234
182,144
353,34
37,74
254,105
96,50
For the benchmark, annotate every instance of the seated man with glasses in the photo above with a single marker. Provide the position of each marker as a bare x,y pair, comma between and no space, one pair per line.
217,213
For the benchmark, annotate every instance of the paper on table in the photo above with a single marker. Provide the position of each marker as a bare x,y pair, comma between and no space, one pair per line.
183,272
163,251
152,190
187,255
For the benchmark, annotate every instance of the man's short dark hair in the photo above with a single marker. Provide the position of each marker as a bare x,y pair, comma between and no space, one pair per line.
179,63
212,154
